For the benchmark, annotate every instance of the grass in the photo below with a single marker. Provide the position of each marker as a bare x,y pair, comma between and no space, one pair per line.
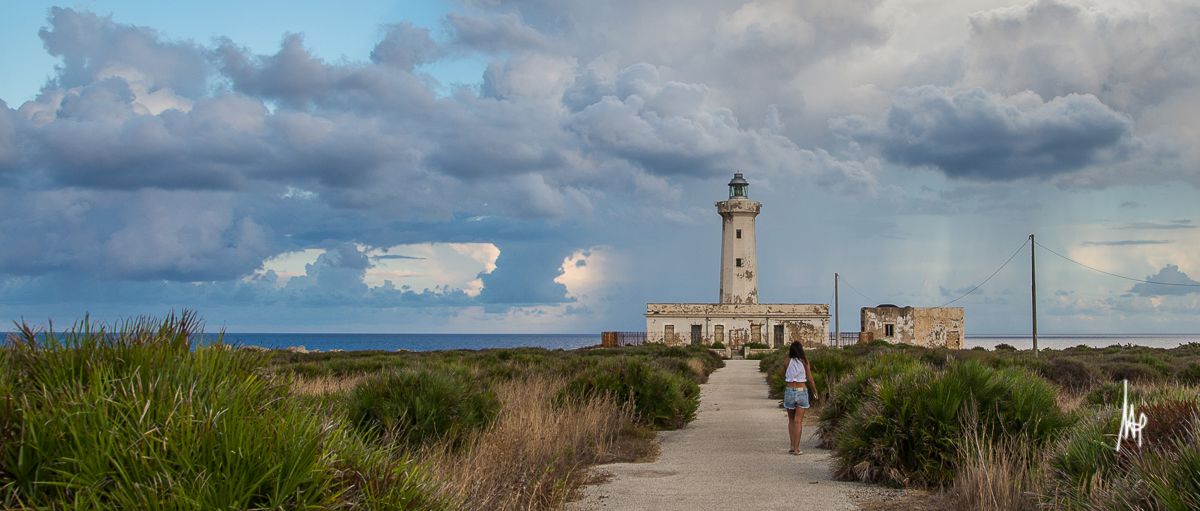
137,417
537,451
1005,429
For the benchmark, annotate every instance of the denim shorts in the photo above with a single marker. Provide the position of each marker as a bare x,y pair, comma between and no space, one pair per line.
793,397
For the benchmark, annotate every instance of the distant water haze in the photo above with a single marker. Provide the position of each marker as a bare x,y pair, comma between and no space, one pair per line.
1059,342
429,342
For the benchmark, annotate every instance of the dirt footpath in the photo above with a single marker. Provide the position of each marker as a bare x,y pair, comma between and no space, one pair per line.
733,456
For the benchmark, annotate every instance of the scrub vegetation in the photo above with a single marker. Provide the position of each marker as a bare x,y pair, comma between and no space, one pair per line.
139,417
1007,429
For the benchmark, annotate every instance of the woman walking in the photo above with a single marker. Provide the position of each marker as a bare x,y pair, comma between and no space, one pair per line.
798,377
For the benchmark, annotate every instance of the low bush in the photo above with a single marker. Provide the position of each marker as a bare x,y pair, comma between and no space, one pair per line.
908,429
660,398
1004,347
756,346
855,389
419,406
717,345
1190,374
1070,373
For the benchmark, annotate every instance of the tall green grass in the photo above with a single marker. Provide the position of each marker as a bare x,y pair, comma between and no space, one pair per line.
136,419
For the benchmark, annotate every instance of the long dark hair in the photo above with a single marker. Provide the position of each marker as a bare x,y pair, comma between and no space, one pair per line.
797,351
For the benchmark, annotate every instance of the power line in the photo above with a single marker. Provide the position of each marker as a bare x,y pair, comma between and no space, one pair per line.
1114,274
860,293
985,281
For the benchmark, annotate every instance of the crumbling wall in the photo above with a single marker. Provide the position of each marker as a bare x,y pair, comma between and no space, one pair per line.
812,333
874,321
939,327
919,326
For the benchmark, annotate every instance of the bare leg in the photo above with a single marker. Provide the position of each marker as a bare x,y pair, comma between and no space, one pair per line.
793,440
798,425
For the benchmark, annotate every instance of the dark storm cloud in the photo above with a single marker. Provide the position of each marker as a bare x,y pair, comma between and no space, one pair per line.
140,235
979,135
9,143
524,275
1170,274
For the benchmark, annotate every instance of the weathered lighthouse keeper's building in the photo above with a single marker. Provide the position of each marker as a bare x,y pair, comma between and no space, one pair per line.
737,318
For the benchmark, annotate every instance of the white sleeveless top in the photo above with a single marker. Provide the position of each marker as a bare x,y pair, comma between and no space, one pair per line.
795,372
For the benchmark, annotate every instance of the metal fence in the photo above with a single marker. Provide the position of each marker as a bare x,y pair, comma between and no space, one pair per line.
847,339
617,339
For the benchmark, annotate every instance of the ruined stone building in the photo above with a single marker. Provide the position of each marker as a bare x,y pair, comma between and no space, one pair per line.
920,326
737,318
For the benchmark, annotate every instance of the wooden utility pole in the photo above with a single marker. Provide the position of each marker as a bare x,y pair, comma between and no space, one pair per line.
1033,288
837,317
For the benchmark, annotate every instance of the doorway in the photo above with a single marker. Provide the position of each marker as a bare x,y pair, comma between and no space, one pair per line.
697,334
779,339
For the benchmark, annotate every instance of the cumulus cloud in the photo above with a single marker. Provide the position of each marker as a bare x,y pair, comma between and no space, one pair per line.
1124,243
93,47
980,135
590,117
1182,223
1169,274
406,46
1131,57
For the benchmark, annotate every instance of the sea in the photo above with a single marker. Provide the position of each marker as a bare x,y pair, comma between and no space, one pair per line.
433,342
430,342
409,342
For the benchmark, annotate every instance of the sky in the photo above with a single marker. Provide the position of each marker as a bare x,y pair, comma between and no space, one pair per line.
551,166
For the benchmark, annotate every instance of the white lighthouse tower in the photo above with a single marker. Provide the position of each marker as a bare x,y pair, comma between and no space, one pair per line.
739,265
737,318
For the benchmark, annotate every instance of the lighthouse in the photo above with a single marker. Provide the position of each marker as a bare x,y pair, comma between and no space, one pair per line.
739,265
737,318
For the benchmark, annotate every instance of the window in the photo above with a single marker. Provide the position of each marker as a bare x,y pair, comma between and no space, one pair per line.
738,262
739,234
889,330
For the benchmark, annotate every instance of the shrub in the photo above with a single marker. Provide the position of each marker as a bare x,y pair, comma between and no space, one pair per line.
1069,373
659,398
907,432
756,346
855,389
1132,371
717,345
420,406
1004,347
1190,374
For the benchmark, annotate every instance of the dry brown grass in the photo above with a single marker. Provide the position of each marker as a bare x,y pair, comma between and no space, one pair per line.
1070,400
325,384
995,475
697,368
535,454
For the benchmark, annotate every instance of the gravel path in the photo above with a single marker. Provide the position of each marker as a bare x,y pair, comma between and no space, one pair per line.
733,456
